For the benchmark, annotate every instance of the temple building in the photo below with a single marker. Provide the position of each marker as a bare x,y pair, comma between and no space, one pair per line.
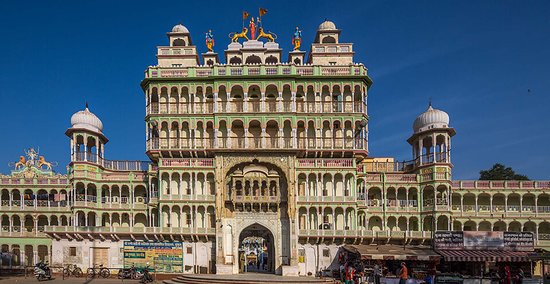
264,159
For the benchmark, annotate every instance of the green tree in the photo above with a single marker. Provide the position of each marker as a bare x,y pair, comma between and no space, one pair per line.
500,172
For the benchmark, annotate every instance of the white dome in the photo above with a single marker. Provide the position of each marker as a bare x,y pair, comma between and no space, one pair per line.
326,26
431,118
87,120
179,28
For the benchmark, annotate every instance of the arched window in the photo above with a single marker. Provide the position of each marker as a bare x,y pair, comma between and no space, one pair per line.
235,60
297,61
253,59
210,62
329,39
271,60
178,42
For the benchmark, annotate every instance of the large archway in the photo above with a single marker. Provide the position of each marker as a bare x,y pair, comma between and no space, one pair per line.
256,196
256,250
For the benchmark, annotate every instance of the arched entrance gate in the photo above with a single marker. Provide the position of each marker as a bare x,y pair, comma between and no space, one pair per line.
256,250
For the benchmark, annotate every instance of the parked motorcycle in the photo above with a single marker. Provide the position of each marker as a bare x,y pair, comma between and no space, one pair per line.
127,273
147,277
42,271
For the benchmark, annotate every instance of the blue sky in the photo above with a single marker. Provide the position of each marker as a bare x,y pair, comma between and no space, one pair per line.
475,59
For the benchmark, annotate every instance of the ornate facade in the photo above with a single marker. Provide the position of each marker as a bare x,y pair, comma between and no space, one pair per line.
253,147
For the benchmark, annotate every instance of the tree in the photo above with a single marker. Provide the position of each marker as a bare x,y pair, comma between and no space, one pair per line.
500,172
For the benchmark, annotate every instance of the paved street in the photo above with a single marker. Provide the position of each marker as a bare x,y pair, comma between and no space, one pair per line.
59,280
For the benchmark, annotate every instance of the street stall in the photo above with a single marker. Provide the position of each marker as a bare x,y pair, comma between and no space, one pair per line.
420,261
485,257
541,260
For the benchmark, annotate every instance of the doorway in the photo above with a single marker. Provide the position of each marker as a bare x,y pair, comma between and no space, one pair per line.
256,250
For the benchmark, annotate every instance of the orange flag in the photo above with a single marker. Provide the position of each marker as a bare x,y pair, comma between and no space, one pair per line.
263,11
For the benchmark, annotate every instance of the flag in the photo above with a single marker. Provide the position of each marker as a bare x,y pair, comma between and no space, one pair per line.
263,11
245,15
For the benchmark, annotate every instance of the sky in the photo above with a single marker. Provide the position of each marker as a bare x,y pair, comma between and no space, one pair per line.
483,62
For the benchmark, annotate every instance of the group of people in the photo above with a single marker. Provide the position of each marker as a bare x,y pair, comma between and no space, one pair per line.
507,277
354,273
348,272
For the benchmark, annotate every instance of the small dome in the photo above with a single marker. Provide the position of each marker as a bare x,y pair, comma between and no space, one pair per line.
179,28
326,26
431,118
87,120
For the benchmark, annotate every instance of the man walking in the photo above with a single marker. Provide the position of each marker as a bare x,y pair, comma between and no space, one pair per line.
403,274
377,273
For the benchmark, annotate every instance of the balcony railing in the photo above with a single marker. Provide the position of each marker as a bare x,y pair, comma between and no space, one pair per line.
22,231
326,199
325,163
112,165
261,70
509,209
371,166
365,233
501,184
257,143
253,199
256,106
189,163
41,180
129,230
41,205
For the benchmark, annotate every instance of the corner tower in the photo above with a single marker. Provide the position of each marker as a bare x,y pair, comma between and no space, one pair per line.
326,49
87,139
181,52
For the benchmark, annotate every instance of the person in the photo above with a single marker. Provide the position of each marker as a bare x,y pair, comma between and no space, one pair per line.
377,273
520,276
350,274
507,275
342,272
403,274
242,261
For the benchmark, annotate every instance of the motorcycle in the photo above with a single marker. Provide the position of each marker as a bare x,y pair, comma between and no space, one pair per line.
42,271
147,277
127,273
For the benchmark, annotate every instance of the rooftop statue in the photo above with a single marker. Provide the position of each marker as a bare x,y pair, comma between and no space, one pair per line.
252,27
32,164
269,35
209,41
236,36
297,39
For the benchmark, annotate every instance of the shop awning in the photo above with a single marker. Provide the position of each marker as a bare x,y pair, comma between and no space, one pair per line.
485,255
393,252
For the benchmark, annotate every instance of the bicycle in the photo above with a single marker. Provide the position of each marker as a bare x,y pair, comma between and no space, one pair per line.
98,271
72,270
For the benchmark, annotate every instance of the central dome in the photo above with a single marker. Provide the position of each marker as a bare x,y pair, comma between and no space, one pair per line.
179,28
326,26
431,118
87,120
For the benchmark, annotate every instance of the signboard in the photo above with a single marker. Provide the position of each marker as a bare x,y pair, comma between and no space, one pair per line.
481,240
520,241
449,240
160,256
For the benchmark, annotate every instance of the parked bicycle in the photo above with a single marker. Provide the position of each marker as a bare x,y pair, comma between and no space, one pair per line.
72,270
99,271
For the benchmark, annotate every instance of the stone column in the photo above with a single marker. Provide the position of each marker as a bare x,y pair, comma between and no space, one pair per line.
216,102
420,148
245,102
280,102
216,131
294,138
293,102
